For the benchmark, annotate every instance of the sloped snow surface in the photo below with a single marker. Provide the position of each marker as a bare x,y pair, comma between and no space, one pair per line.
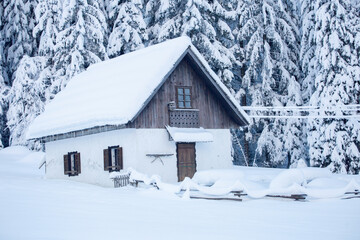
259,182
33,207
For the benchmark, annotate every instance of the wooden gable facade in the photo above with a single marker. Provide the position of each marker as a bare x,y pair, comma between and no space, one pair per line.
208,108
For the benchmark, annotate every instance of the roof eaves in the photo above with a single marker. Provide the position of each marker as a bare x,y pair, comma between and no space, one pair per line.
79,133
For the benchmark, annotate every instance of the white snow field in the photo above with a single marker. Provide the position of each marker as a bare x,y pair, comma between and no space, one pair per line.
33,207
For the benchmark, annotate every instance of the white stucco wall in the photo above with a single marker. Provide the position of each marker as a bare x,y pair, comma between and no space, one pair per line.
216,154
136,143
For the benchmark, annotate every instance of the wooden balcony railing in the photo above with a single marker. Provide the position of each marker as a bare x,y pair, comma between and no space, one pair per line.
188,118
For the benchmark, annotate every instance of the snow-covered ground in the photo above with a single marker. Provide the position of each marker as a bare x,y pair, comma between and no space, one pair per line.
32,207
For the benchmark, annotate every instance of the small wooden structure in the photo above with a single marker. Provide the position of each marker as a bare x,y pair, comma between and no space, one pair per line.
121,180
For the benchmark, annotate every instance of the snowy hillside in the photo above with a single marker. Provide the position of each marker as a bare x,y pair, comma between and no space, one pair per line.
61,209
281,53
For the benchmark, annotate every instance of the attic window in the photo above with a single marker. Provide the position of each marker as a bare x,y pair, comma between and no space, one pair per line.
113,159
183,97
72,165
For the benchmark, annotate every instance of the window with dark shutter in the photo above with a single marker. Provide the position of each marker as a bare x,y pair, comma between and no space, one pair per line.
106,159
183,97
77,163
113,159
72,164
66,164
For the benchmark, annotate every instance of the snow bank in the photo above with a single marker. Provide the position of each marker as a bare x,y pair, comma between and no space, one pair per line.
21,154
14,152
25,160
209,177
260,182
299,176
43,208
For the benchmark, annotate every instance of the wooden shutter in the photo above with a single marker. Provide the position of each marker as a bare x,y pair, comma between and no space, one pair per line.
77,163
106,159
119,160
66,164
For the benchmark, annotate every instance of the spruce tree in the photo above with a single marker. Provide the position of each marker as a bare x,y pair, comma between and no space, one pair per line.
4,89
307,50
269,39
334,143
33,84
18,26
45,32
198,20
129,30
81,39
27,98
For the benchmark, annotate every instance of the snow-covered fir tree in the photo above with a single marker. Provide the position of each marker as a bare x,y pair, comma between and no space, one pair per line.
307,49
271,52
335,142
27,97
81,39
269,39
18,23
129,28
198,20
3,87
294,135
33,82
45,32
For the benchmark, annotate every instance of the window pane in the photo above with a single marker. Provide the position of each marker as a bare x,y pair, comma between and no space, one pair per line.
181,104
180,91
181,98
72,162
187,98
187,91
113,156
187,104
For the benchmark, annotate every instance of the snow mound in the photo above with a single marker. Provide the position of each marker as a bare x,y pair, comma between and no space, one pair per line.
299,176
14,151
261,182
20,160
209,177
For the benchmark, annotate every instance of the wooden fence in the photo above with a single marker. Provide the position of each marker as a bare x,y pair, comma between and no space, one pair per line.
121,180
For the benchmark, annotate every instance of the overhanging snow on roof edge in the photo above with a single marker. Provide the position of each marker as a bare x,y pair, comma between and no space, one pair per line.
189,134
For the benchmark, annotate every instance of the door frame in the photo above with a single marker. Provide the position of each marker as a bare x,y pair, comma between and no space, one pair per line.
177,158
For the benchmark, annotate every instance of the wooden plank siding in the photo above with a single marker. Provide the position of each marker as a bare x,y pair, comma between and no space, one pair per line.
212,114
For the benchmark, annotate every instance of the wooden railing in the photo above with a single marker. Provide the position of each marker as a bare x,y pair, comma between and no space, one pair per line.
121,180
184,118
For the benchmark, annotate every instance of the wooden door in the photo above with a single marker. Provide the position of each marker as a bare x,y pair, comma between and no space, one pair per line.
185,160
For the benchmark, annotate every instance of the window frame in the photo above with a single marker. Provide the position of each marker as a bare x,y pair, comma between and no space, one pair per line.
184,101
72,161
118,159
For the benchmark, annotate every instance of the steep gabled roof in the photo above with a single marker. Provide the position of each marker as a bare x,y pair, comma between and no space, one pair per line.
114,92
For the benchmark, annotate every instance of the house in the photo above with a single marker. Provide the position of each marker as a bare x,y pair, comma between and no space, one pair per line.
160,110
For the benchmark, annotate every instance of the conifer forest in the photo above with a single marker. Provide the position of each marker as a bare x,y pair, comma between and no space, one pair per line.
269,53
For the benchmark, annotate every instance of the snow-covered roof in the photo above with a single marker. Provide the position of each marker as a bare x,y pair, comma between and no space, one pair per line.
189,134
115,91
